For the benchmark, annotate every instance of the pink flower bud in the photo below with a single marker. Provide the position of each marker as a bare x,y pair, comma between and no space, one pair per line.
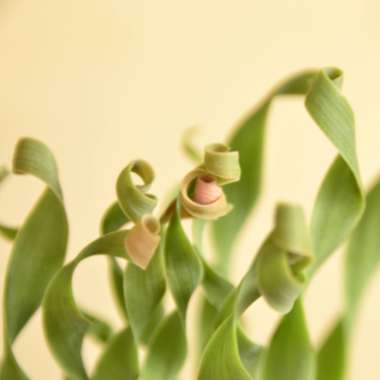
206,190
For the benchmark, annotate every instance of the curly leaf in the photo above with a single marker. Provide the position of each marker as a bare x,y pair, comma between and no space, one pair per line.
362,260
276,273
38,251
333,115
64,324
339,204
134,199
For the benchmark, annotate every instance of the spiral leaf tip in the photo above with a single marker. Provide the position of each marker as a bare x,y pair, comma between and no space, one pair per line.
134,199
201,194
196,197
143,240
222,163
283,257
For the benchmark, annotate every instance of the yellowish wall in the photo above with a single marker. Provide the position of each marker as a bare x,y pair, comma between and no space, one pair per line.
103,82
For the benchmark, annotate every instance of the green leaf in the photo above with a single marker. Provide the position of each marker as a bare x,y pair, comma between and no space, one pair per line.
113,219
7,232
361,261
99,329
144,291
363,253
120,360
183,267
221,359
64,324
333,115
38,251
134,199
290,359
276,273
339,204
332,356
168,350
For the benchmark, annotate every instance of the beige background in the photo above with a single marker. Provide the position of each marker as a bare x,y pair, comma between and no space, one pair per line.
103,82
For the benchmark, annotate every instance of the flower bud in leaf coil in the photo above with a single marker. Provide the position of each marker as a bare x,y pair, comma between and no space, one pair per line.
201,196
143,240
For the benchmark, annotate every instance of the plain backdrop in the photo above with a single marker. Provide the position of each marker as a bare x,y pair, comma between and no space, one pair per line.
106,81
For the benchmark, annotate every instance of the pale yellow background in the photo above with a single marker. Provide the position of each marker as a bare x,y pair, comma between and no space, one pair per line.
106,81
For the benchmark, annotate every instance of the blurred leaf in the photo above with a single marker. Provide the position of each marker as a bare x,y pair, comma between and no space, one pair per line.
290,355
363,253
332,356
168,350
98,329
362,260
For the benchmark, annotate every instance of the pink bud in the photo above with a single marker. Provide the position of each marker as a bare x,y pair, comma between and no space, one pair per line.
206,190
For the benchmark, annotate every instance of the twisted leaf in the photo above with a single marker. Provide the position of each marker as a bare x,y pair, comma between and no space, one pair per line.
184,273
276,273
38,251
64,324
134,199
340,203
341,187
362,260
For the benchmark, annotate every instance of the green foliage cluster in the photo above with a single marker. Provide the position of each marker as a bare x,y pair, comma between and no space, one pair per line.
38,277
